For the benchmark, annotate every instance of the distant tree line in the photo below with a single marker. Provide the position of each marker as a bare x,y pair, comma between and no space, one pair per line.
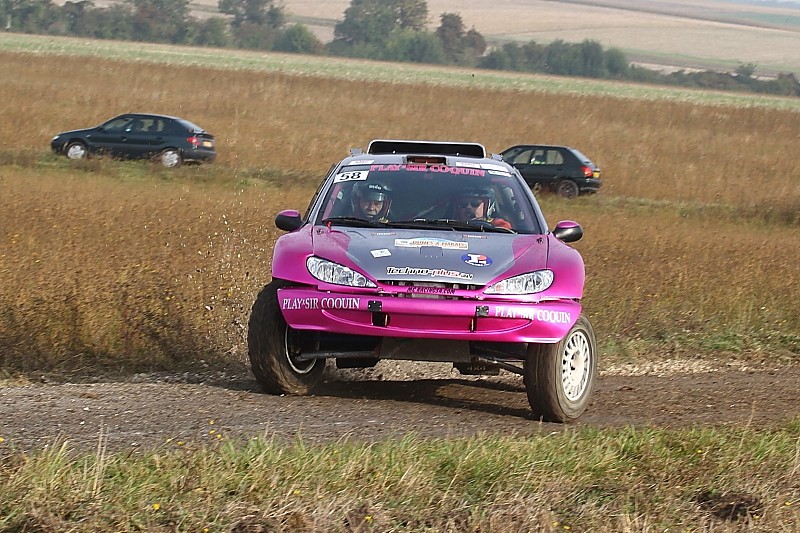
391,30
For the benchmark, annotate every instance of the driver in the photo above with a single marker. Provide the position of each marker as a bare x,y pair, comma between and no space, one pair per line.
477,204
371,201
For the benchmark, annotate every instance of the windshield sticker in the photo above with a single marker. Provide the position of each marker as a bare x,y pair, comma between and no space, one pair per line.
351,175
380,253
538,315
441,243
467,164
477,260
491,166
361,162
425,168
432,272
500,173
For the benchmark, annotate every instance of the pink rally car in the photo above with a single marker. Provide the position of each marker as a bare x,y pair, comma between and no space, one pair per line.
426,251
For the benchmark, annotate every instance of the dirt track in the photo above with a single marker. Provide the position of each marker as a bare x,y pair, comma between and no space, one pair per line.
148,411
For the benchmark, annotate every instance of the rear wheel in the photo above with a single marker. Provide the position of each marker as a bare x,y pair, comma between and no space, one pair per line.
559,377
567,189
170,158
76,150
274,347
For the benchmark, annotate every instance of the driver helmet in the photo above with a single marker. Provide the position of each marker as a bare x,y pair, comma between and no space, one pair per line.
478,193
374,192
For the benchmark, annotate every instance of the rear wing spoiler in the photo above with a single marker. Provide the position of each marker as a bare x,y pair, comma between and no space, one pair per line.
463,149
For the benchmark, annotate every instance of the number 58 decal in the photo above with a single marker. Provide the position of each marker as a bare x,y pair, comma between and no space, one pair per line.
352,175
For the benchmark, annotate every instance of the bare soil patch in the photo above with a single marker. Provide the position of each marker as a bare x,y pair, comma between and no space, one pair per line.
147,411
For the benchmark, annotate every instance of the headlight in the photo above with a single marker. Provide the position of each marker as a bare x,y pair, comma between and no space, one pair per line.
530,283
336,274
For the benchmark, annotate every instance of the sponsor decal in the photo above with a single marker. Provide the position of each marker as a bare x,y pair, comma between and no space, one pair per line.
351,175
383,233
432,272
477,260
500,173
466,171
431,290
537,315
490,166
361,162
467,164
342,302
419,242
380,253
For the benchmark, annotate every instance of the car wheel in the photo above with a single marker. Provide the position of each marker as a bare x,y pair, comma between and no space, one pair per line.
170,158
567,189
76,150
559,377
273,348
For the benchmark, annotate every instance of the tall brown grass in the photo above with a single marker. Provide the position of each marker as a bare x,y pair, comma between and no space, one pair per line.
690,246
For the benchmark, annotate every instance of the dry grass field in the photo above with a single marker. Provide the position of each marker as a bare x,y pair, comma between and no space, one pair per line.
106,266
690,247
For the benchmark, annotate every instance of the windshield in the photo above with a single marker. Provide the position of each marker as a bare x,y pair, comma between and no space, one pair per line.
437,196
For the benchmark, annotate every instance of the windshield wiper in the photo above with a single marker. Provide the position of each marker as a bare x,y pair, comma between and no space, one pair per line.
448,223
353,221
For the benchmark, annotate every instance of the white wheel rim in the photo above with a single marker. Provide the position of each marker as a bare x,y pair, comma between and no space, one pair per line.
575,365
170,158
288,352
75,151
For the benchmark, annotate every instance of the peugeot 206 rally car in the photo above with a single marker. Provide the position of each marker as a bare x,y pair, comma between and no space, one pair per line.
426,251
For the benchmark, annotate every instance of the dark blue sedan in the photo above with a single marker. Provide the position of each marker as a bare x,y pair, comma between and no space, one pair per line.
170,140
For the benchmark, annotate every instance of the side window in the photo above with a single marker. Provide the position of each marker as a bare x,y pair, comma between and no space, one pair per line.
539,157
554,157
117,124
157,126
521,158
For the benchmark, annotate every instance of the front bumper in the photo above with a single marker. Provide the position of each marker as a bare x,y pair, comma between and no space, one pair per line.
427,318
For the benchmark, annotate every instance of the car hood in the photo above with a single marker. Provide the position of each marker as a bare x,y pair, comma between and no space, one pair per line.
474,258
70,133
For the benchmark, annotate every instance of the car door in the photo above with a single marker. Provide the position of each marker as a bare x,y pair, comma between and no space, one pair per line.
158,134
110,137
137,138
537,164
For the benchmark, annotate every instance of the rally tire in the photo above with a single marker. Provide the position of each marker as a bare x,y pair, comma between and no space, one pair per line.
559,378
273,346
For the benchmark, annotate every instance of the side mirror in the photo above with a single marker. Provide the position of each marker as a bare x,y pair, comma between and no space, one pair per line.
288,220
568,231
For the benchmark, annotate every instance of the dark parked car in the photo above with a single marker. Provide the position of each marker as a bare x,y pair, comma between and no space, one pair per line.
171,140
560,169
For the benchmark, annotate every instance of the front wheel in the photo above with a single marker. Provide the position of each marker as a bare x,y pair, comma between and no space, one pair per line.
274,348
559,377
76,150
170,158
